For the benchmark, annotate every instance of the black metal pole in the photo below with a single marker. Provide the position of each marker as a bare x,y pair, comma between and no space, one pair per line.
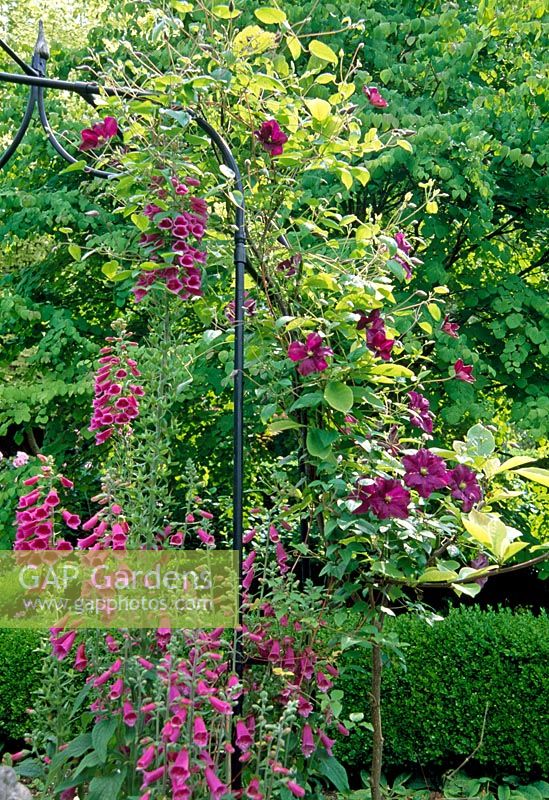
35,78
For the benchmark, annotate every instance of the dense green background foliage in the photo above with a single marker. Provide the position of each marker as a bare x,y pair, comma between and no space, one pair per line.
433,707
19,671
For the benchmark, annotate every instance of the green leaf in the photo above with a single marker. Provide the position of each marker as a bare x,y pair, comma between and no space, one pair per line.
102,733
270,16
322,51
294,46
309,400
339,396
110,268
282,425
140,221
434,575
480,441
319,109
225,12
405,145
434,311
78,166
106,787
334,772
30,768
179,116
535,474
76,748
515,461
75,251
319,442
392,370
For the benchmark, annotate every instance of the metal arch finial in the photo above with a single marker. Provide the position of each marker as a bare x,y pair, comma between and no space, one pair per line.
41,48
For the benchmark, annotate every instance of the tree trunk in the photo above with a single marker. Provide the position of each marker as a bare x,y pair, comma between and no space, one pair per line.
375,705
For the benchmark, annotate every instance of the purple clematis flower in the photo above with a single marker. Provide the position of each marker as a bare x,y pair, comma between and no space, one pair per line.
272,137
376,338
464,485
99,134
451,328
425,472
311,354
384,497
463,372
420,415
374,97
480,562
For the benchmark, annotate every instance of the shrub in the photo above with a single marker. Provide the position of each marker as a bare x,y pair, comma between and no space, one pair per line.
433,708
19,669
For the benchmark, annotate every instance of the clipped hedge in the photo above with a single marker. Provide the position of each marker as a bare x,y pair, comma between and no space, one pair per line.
19,676
433,709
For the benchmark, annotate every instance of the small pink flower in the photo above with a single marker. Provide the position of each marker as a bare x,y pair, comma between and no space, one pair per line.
200,733
296,789
80,662
451,328
308,745
129,714
374,97
244,739
70,520
463,372
146,759
272,137
99,134
310,354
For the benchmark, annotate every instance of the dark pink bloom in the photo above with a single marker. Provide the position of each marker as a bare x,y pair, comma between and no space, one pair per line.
200,733
480,562
311,354
384,497
420,416
272,137
248,305
290,265
464,485
326,742
99,134
282,558
451,328
463,372
425,472
216,787
308,745
129,714
296,789
244,739
80,662
221,706
323,682
252,792
376,338
146,759
71,520
374,97
402,243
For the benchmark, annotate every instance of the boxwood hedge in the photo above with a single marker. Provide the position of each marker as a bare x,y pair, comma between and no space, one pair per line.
433,708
